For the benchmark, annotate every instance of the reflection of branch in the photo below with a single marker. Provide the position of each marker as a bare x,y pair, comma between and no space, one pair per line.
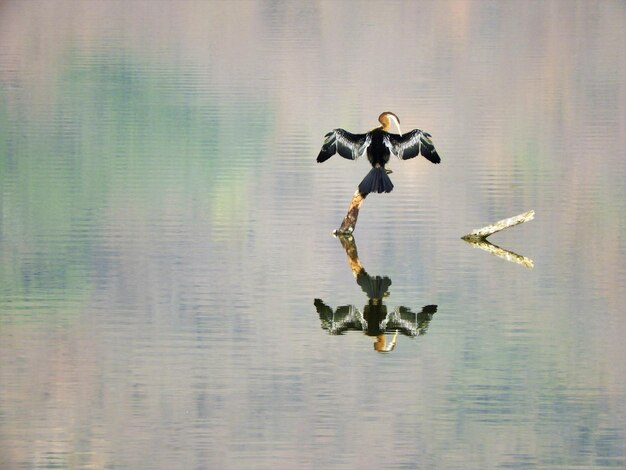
347,241
478,238
482,233
501,252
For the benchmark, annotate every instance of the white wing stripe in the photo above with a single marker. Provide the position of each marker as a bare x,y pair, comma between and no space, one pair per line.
415,140
356,149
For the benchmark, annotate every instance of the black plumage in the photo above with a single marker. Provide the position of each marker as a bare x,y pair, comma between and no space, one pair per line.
378,144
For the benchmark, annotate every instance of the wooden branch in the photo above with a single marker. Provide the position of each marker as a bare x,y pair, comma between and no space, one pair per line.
349,221
501,252
482,233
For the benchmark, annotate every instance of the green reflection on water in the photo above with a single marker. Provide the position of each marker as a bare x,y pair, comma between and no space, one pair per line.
117,134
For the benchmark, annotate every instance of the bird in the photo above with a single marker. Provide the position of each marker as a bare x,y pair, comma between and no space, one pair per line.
379,144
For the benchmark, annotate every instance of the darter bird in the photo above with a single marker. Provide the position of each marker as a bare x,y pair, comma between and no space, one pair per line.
379,144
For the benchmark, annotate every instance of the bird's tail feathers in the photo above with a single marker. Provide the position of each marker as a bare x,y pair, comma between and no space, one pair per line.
376,181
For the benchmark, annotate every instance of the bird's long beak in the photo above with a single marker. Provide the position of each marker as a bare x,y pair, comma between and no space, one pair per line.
396,122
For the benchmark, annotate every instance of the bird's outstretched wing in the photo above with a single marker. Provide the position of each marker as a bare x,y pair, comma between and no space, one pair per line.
411,144
346,144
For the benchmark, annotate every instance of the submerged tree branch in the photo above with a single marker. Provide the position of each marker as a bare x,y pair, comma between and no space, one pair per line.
482,233
478,238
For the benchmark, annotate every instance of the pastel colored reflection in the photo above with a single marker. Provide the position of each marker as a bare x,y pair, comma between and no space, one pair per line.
165,232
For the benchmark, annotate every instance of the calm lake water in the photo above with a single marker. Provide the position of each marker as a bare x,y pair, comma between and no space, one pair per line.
170,293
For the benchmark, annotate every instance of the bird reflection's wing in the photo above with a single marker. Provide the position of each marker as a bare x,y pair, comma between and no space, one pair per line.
346,144
411,144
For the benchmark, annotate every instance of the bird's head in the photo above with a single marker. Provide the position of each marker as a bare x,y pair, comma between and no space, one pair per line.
387,118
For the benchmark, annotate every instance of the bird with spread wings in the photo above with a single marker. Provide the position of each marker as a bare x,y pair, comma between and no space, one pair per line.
379,144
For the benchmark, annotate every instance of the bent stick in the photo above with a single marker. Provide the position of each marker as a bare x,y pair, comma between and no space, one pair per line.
482,233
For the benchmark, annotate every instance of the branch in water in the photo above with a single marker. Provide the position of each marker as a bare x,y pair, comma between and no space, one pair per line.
349,221
482,233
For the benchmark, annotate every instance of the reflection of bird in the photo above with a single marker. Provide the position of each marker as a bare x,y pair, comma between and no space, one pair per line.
379,145
374,319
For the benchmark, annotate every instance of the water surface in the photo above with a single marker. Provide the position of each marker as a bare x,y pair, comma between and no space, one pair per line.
170,294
